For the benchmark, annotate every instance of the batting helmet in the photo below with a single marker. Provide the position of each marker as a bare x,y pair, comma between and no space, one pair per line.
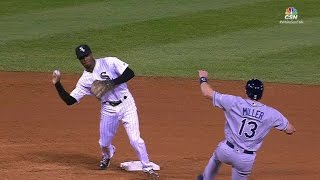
254,89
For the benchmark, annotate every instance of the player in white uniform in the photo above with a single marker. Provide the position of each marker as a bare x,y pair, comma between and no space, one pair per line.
117,105
247,124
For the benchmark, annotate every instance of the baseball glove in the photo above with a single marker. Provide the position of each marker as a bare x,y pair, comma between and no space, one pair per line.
99,88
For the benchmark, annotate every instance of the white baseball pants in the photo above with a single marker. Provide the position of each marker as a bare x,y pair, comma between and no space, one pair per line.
111,116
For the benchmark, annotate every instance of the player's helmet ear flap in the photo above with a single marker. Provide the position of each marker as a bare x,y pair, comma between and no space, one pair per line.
254,89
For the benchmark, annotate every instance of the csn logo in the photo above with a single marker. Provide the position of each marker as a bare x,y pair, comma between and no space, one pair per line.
291,14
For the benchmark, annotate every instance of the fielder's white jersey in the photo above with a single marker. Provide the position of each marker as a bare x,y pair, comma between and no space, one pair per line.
105,68
248,121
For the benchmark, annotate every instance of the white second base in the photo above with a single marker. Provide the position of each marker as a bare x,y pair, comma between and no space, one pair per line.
137,166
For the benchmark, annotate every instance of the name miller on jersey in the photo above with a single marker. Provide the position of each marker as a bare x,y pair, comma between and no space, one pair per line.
252,113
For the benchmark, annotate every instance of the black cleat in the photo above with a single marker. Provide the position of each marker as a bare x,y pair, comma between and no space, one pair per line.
104,163
152,174
200,177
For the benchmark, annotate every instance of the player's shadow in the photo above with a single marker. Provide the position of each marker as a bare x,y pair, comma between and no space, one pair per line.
48,160
65,159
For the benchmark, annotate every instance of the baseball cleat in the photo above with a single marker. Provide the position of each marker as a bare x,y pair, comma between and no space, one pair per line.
152,174
104,163
200,177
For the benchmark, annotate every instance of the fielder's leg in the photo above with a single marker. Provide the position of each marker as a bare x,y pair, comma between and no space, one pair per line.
132,129
108,127
131,125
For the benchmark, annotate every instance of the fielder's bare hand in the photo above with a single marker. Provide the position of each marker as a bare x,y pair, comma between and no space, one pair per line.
56,75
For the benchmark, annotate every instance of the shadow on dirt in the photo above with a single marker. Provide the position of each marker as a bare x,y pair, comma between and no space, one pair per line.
66,159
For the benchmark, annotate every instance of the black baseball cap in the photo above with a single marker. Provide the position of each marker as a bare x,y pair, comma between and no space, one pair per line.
82,51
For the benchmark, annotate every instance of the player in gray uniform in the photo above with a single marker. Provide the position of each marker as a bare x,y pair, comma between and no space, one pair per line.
248,121
117,106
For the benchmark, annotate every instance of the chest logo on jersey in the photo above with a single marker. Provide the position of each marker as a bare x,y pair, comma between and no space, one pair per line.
104,75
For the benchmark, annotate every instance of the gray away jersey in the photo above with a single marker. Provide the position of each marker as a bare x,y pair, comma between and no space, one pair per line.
105,68
247,121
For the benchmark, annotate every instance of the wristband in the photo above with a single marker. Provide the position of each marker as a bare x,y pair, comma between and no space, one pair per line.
203,79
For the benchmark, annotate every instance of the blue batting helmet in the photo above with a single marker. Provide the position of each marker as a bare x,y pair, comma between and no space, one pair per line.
254,89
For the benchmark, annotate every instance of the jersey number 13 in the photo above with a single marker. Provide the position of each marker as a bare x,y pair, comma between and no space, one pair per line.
252,126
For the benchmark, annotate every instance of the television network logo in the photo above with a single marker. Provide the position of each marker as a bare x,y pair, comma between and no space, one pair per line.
291,16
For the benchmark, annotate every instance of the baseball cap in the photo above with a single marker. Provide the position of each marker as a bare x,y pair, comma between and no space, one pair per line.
82,51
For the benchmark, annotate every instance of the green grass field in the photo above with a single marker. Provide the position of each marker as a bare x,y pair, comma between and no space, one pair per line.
231,39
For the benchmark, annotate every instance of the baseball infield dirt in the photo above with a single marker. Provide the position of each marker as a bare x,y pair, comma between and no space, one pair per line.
42,138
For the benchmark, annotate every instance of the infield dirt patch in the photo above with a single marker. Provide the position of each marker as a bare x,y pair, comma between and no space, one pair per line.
42,138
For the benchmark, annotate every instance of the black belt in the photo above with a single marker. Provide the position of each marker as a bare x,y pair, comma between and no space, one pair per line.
116,103
244,151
